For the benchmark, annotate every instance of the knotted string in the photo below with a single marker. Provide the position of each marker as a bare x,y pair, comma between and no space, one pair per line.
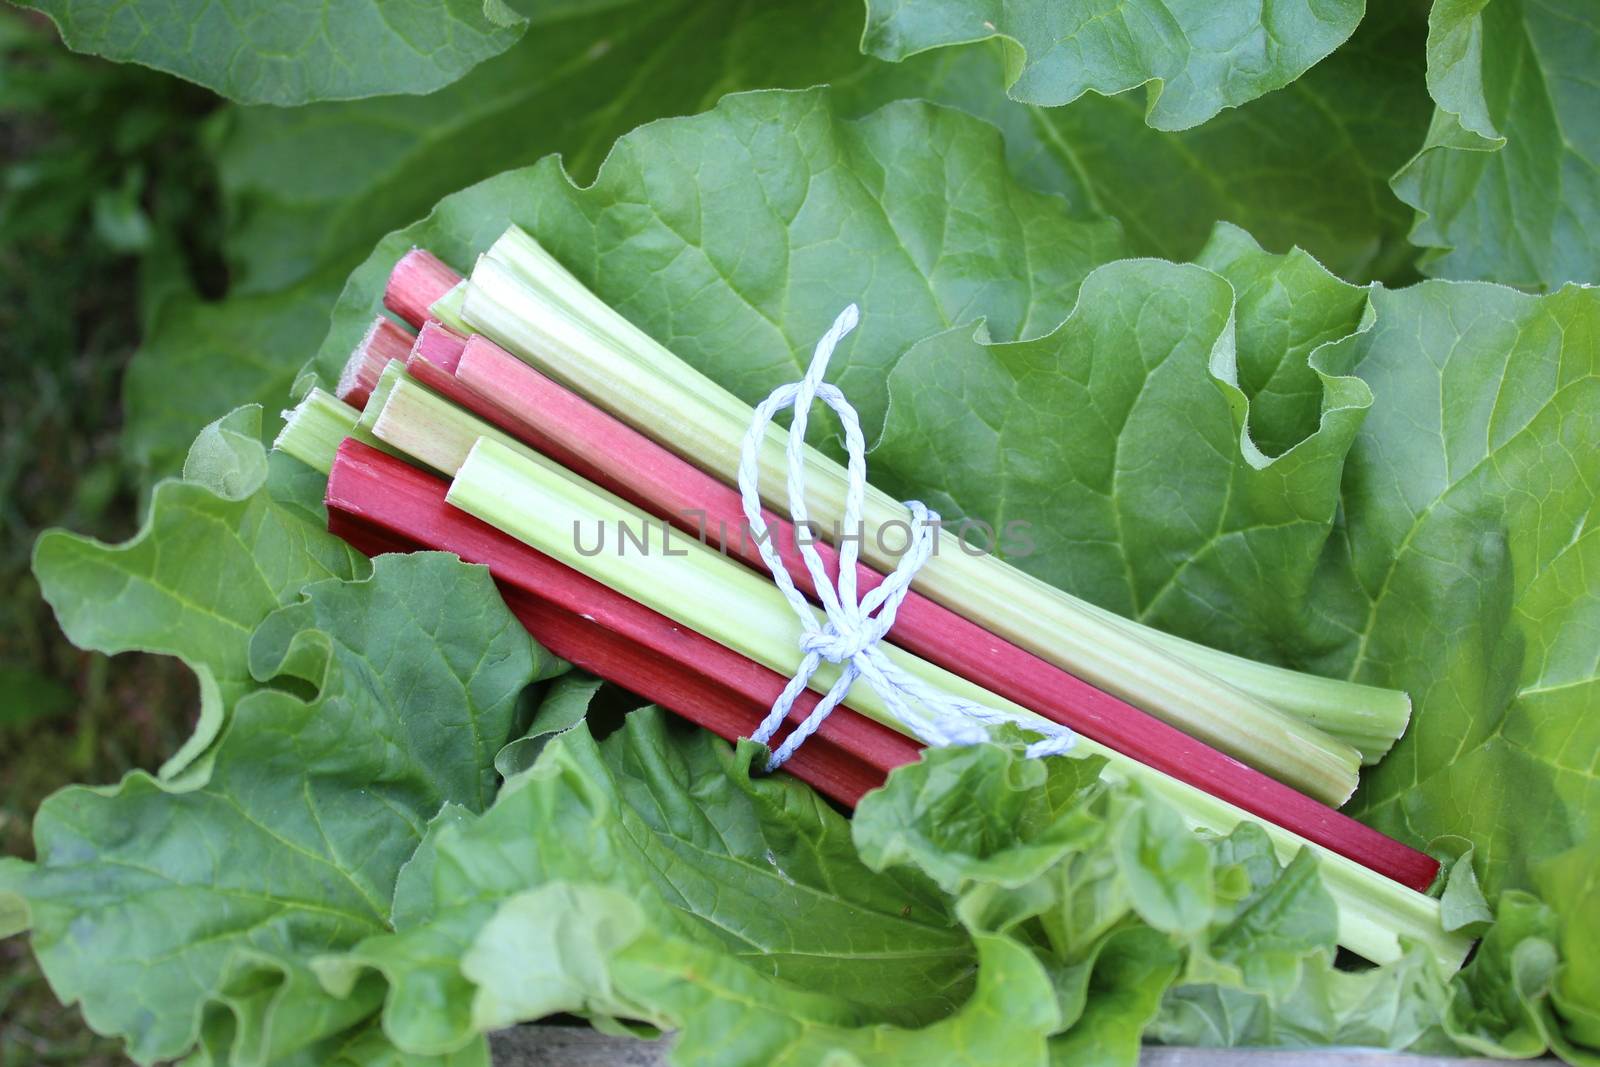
853,625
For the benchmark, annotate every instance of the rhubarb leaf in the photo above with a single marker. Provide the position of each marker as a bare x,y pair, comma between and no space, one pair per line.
1573,878
1195,58
1431,531
1463,571
317,185
1399,1006
1131,972
1049,843
285,53
648,877
604,959
1507,185
370,1048
201,359
308,190
765,216
1307,166
184,916
1137,920
756,876
1018,818
221,550
1124,444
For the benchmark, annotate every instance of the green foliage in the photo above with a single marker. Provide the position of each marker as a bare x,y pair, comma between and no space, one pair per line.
1196,57
1460,573
1141,486
217,555
615,879
281,53
1507,184
292,840
1307,165
309,190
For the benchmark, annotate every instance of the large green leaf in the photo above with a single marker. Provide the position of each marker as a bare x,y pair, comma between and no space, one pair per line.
649,878
1574,879
1107,888
200,359
1400,1006
318,185
222,548
309,190
277,52
1464,571
1507,186
758,877
1120,440
182,915
1305,166
1432,529
598,954
1196,57
736,236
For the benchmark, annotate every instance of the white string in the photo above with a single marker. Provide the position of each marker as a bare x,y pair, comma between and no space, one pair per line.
853,626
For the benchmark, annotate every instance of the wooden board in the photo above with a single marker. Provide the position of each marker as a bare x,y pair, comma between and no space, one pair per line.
576,1046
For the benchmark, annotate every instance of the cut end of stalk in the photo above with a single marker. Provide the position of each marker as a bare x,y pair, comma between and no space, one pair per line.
447,309
416,282
419,423
439,345
1396,709
314,429
385,341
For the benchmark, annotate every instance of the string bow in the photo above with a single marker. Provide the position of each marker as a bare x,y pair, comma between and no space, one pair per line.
852,626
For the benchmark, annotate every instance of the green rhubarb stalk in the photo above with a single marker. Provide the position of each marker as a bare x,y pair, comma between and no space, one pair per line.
575,338
447,309
561,515
313,428
423,425
395,372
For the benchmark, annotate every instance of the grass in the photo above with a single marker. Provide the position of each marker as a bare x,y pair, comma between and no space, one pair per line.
97,168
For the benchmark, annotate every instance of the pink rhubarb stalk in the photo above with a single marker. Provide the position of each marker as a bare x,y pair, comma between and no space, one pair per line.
384,342
416,282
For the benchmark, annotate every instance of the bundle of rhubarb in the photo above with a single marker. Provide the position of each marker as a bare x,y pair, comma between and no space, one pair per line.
516,420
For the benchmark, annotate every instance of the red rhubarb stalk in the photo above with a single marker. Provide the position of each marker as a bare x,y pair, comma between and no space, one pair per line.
594,444
380,503
416,282
385,341
437,345
433,360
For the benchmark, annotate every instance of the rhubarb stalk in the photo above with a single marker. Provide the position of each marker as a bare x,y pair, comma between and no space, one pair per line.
313,429
1370,914
419,279
385,341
